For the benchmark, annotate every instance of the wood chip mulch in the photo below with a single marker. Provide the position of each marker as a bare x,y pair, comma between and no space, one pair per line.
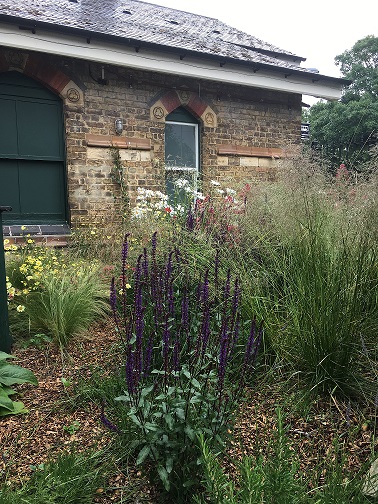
54,424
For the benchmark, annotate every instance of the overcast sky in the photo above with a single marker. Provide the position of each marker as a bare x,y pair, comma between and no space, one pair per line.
318,30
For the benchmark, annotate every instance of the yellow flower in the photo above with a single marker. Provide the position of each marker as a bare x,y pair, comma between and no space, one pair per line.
128,286
20,308
93,232
23,228
30,241
6,241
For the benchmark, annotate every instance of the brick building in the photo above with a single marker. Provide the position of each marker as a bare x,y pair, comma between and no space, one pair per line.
175,93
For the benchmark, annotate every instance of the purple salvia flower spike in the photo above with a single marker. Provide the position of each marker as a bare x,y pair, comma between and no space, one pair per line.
226,292
148,355
106,422
216,269
145,263
130,373
153,247
171,300
176,353
113,297
222,361
190,220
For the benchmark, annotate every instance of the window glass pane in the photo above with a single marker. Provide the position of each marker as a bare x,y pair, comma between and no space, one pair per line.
180,145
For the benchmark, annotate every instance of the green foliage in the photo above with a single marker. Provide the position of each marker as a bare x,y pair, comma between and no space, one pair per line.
118,175
11,374
325,291
360,64
188,355
67,304
168,421
72,478
345,131
272,480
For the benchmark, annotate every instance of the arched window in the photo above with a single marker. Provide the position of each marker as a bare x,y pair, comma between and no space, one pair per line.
182,152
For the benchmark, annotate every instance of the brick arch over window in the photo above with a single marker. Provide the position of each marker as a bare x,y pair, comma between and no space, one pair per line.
182,98
35,67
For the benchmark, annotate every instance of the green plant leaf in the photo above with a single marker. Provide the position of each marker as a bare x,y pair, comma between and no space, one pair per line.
6,391
196,383
147,390
190,433
150,426
6,402
18,408
10,374
169,420
136,420
164,477
169,464
143,454
180,413
4,356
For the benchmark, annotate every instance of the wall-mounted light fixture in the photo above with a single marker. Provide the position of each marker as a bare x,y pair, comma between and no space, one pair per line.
118,125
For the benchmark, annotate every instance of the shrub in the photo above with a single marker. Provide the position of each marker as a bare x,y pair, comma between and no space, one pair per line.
10,375
181,345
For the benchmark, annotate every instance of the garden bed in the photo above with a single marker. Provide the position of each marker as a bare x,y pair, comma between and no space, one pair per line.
55,424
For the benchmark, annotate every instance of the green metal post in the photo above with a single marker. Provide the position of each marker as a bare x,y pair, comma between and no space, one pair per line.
5,337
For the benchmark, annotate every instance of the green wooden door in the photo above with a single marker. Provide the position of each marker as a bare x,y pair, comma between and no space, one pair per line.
32,165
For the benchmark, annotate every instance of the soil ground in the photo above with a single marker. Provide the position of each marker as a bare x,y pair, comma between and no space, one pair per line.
54,423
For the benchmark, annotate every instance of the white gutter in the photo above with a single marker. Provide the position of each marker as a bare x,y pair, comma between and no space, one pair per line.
147,59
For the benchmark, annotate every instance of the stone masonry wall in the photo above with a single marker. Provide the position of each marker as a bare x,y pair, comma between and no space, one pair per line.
246,118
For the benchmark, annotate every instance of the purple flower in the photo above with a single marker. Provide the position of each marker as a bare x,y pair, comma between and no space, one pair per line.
113,297
253,344
190,220
223,354
171,300
106,422
204,335
130,375
145,263
166,343
176,353
148,354
153,246
216,269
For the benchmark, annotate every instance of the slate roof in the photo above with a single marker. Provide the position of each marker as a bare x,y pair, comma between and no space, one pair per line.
140,23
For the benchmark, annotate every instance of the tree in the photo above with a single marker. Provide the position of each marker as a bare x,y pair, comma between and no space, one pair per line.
360,65
344,131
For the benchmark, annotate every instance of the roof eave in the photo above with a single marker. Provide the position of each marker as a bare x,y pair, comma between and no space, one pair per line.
109,43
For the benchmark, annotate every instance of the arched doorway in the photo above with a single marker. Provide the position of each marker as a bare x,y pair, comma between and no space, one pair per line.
32,154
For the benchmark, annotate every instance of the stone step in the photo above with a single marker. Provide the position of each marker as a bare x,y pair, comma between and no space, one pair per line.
48,240
52,235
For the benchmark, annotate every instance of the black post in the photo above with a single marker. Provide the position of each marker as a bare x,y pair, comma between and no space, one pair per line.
5,337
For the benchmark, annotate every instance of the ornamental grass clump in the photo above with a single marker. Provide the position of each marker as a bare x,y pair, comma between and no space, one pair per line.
183,341
67,304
